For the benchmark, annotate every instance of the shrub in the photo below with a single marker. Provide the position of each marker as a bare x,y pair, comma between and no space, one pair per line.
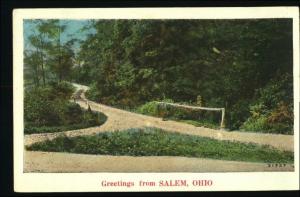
47,105
190,116
278,120
47,109
237,114
93,93
150,108
281,114
257,124
39,109
72,113
273,110
62,90
88,120
153,141
154,108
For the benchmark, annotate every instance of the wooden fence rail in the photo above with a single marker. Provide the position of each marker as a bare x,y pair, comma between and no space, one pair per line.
222,125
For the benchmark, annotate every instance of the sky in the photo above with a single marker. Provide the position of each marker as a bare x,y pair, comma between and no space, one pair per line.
73,30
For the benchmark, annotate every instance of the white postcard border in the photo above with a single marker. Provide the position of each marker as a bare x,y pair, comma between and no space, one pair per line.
91,182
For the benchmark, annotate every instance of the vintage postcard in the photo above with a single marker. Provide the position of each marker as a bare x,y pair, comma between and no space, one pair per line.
156,99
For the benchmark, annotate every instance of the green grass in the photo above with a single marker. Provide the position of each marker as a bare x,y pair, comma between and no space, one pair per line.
261,125
95,119
151,109
199,123
176,114
156,142
53,129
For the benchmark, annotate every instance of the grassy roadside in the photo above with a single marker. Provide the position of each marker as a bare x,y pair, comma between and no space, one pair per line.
198,123
47,109
89,120
151,109
192,118
156,142
188,116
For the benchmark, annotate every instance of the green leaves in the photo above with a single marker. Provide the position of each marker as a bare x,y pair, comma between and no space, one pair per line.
54,57
131,62
47,109
157,142
273,110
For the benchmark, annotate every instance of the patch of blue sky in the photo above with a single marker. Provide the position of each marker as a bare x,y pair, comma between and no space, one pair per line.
75,29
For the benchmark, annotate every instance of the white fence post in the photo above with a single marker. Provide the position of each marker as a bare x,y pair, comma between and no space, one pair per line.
222,120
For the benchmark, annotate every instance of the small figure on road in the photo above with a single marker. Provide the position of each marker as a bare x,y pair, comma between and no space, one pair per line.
89,109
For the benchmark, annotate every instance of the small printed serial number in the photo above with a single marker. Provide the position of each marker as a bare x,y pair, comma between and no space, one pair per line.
278,165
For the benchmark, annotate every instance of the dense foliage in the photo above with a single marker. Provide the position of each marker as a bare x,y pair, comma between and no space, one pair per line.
47,58
131,62
156,142
48,61
210,119
47,109
273,111
245,66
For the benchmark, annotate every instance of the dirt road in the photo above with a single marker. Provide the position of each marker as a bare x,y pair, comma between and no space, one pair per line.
120,120
65,162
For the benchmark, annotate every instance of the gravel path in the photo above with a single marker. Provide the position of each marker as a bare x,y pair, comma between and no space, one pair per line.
66,162
120,120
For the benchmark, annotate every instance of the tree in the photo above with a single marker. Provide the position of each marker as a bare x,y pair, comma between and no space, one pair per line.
47,54
130,62
39,42
32,62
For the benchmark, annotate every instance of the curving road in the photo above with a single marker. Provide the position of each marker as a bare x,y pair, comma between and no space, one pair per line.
120,120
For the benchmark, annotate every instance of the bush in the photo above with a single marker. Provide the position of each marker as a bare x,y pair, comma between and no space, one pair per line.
283,113
278,120
195,117
157,142
93,93
87,120
47,105
51,129
237,114
150,108
273,110
154,108
258,124
47,109
62,90
72,113
40,109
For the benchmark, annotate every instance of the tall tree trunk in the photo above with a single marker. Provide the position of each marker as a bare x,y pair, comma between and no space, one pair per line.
59,56
42,62
42,65
36,77
43,71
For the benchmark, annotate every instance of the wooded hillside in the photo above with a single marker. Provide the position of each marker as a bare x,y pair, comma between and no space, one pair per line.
245,66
